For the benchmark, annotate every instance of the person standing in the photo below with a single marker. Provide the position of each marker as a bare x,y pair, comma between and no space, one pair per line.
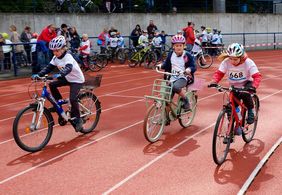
25,38
151,29
135,34
189,36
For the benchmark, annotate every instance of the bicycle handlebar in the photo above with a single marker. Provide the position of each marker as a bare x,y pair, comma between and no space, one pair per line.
168,73
231,88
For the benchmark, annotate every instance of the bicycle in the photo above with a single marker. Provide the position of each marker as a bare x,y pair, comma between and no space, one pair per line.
146,55
33,125
204,60
228,122
164,110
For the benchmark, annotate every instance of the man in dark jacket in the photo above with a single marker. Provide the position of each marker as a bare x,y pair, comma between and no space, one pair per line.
25,38
151,29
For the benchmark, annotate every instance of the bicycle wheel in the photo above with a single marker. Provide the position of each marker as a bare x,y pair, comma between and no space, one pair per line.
49,6
219,147
154,122
205,61
121,56
133,60
29,137
186,118
96,63
90,110
150,60
249,132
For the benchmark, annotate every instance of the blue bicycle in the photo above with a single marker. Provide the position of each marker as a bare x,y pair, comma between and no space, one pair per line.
33,125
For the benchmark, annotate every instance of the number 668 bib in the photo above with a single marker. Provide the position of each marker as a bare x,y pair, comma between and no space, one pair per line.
237,75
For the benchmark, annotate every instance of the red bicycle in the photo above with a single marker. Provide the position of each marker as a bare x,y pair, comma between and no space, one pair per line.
228,122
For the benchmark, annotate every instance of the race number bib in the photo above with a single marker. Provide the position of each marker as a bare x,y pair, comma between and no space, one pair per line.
237,75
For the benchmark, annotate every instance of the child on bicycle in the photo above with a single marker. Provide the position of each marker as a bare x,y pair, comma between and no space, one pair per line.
69,74
177,61
242,72
113,44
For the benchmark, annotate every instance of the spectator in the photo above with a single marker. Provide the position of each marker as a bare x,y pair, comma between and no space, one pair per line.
189,36
44,54
2,42
74,39
112,29
84,49
34,53
151,29
157,44
25,38
7,51
65,32
19,49
103,40
113,44
135,34
204,36
163,35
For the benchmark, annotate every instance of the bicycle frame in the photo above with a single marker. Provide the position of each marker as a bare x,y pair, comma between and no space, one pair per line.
239,123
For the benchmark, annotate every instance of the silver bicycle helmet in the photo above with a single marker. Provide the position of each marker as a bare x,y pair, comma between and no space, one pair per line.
57,43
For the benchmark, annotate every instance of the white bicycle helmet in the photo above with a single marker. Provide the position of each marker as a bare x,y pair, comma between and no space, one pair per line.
235,50
57,43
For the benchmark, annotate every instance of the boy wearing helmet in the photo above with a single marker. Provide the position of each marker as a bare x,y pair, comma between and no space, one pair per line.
69,74
242,72
180,60
113,44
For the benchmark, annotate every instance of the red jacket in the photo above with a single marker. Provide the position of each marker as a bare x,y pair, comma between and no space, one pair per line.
46,35
189,35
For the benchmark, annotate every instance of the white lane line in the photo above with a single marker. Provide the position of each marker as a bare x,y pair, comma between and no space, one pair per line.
259,166
112,108
68,152
270,95
105,95
155,160
127,96
159,157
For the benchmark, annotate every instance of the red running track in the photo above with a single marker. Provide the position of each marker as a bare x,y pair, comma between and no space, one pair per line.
117,159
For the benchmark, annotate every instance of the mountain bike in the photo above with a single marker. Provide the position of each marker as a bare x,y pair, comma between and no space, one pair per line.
164,110
144,56
33,125
228,122
204,60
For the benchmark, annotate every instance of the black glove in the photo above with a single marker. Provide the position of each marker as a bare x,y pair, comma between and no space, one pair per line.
212,85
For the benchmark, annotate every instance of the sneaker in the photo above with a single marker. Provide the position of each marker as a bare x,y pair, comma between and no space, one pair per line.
239,131
52,109
251,117
186,104
226,139
78,122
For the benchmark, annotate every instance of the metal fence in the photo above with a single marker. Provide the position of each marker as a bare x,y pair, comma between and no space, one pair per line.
19,64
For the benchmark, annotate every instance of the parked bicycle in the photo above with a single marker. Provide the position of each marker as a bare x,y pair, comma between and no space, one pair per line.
144,56
203,60
164,110
51,6
228,123
33,125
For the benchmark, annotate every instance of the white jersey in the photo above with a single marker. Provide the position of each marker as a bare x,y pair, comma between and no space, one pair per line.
87,50
215,39
157,42
7,48
177,65
143,40
113,42
196,47
76,75
204,36
33,46
239,75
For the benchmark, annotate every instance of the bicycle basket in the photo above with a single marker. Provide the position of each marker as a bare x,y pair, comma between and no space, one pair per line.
162,90
92,82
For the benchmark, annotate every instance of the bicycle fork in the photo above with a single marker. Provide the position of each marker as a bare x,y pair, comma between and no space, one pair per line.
39,110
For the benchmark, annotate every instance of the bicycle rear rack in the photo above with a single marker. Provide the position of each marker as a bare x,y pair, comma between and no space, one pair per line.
162,90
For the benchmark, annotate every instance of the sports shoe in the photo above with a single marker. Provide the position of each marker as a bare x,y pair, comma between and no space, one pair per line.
52,109
226,139
78,122
186,104
251,117
239,131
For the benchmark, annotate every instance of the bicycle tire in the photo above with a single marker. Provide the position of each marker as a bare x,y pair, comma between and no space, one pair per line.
245,134
192,97
160,122
95,103
150,60
208,61
133,61
96,64
19,138
217,138
121,56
